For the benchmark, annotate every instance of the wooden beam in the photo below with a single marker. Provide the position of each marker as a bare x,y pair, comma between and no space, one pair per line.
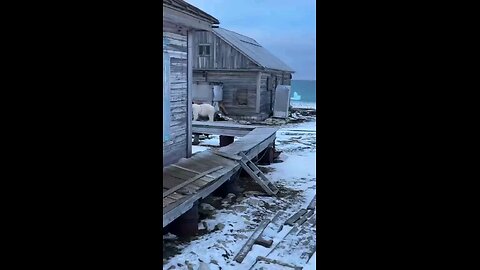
295,217
180,18
189,91
305,217
195,178
225,155
311,206
251,241
259,82
271,261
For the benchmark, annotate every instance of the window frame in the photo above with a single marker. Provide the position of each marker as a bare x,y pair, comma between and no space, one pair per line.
202,53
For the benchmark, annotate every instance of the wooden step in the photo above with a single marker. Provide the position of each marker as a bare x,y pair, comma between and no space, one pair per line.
257,175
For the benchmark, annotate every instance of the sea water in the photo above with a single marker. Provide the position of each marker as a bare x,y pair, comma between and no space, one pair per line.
304,94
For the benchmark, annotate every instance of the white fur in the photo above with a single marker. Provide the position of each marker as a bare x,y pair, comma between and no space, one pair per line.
203,110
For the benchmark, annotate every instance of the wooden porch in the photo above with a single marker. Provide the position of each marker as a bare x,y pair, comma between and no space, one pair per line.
192,179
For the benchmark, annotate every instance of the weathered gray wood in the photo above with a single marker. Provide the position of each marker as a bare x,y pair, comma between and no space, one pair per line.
258,95
189,91
167,201
189,170
312,203
251,144
176,47
264,242
313,220
289,234
170,181
232,157
182,18
221,128
304,217
224,124
176,209
295,217
233,83
222,56
251,241
206,160
187,176
272,261
173,189
257,175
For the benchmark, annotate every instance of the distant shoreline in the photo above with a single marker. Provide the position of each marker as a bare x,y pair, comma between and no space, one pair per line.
303,104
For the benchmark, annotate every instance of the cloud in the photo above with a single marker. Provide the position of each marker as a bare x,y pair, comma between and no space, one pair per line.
287,31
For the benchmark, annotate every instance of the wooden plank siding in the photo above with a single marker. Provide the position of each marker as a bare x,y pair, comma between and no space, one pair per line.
176,47
222,55
267,93
238,73
233,81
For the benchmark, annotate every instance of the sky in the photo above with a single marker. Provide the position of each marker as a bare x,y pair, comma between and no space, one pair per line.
284,27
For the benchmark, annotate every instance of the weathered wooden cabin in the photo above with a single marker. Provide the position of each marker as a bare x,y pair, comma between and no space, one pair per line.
248,72
180,21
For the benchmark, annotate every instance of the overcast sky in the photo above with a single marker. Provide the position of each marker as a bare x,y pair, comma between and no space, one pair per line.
285,27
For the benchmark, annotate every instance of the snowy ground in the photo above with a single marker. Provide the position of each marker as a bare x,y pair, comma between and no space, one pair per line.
233,219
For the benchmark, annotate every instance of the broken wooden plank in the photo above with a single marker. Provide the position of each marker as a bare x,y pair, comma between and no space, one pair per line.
173,189
313,220
272,261
276,221
251,241
295,217
292,231
311,206
264,242
167,201
305,217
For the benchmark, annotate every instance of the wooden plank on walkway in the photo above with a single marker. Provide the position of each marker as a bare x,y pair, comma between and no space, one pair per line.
295,217
170,181
167,201
189,170
174,210
173,189
232,157
188,175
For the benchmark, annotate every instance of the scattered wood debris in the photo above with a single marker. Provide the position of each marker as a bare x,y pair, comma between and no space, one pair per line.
253,238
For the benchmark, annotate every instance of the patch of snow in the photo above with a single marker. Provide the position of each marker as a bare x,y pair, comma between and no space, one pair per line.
312,264
296,173
198,148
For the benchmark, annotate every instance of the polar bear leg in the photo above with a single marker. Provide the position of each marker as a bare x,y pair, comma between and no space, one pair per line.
195,115
211,116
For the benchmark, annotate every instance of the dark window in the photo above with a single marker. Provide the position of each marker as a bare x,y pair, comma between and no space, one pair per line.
242,97
204,50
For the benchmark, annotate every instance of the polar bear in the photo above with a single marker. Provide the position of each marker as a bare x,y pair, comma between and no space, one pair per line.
203,110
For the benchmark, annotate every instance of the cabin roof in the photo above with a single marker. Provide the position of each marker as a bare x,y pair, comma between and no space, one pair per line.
189,8
252,49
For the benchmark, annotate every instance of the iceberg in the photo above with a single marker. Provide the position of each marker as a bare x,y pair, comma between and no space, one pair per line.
296,96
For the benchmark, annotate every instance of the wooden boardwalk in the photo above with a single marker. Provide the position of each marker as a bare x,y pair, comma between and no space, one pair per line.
195,178
224,128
